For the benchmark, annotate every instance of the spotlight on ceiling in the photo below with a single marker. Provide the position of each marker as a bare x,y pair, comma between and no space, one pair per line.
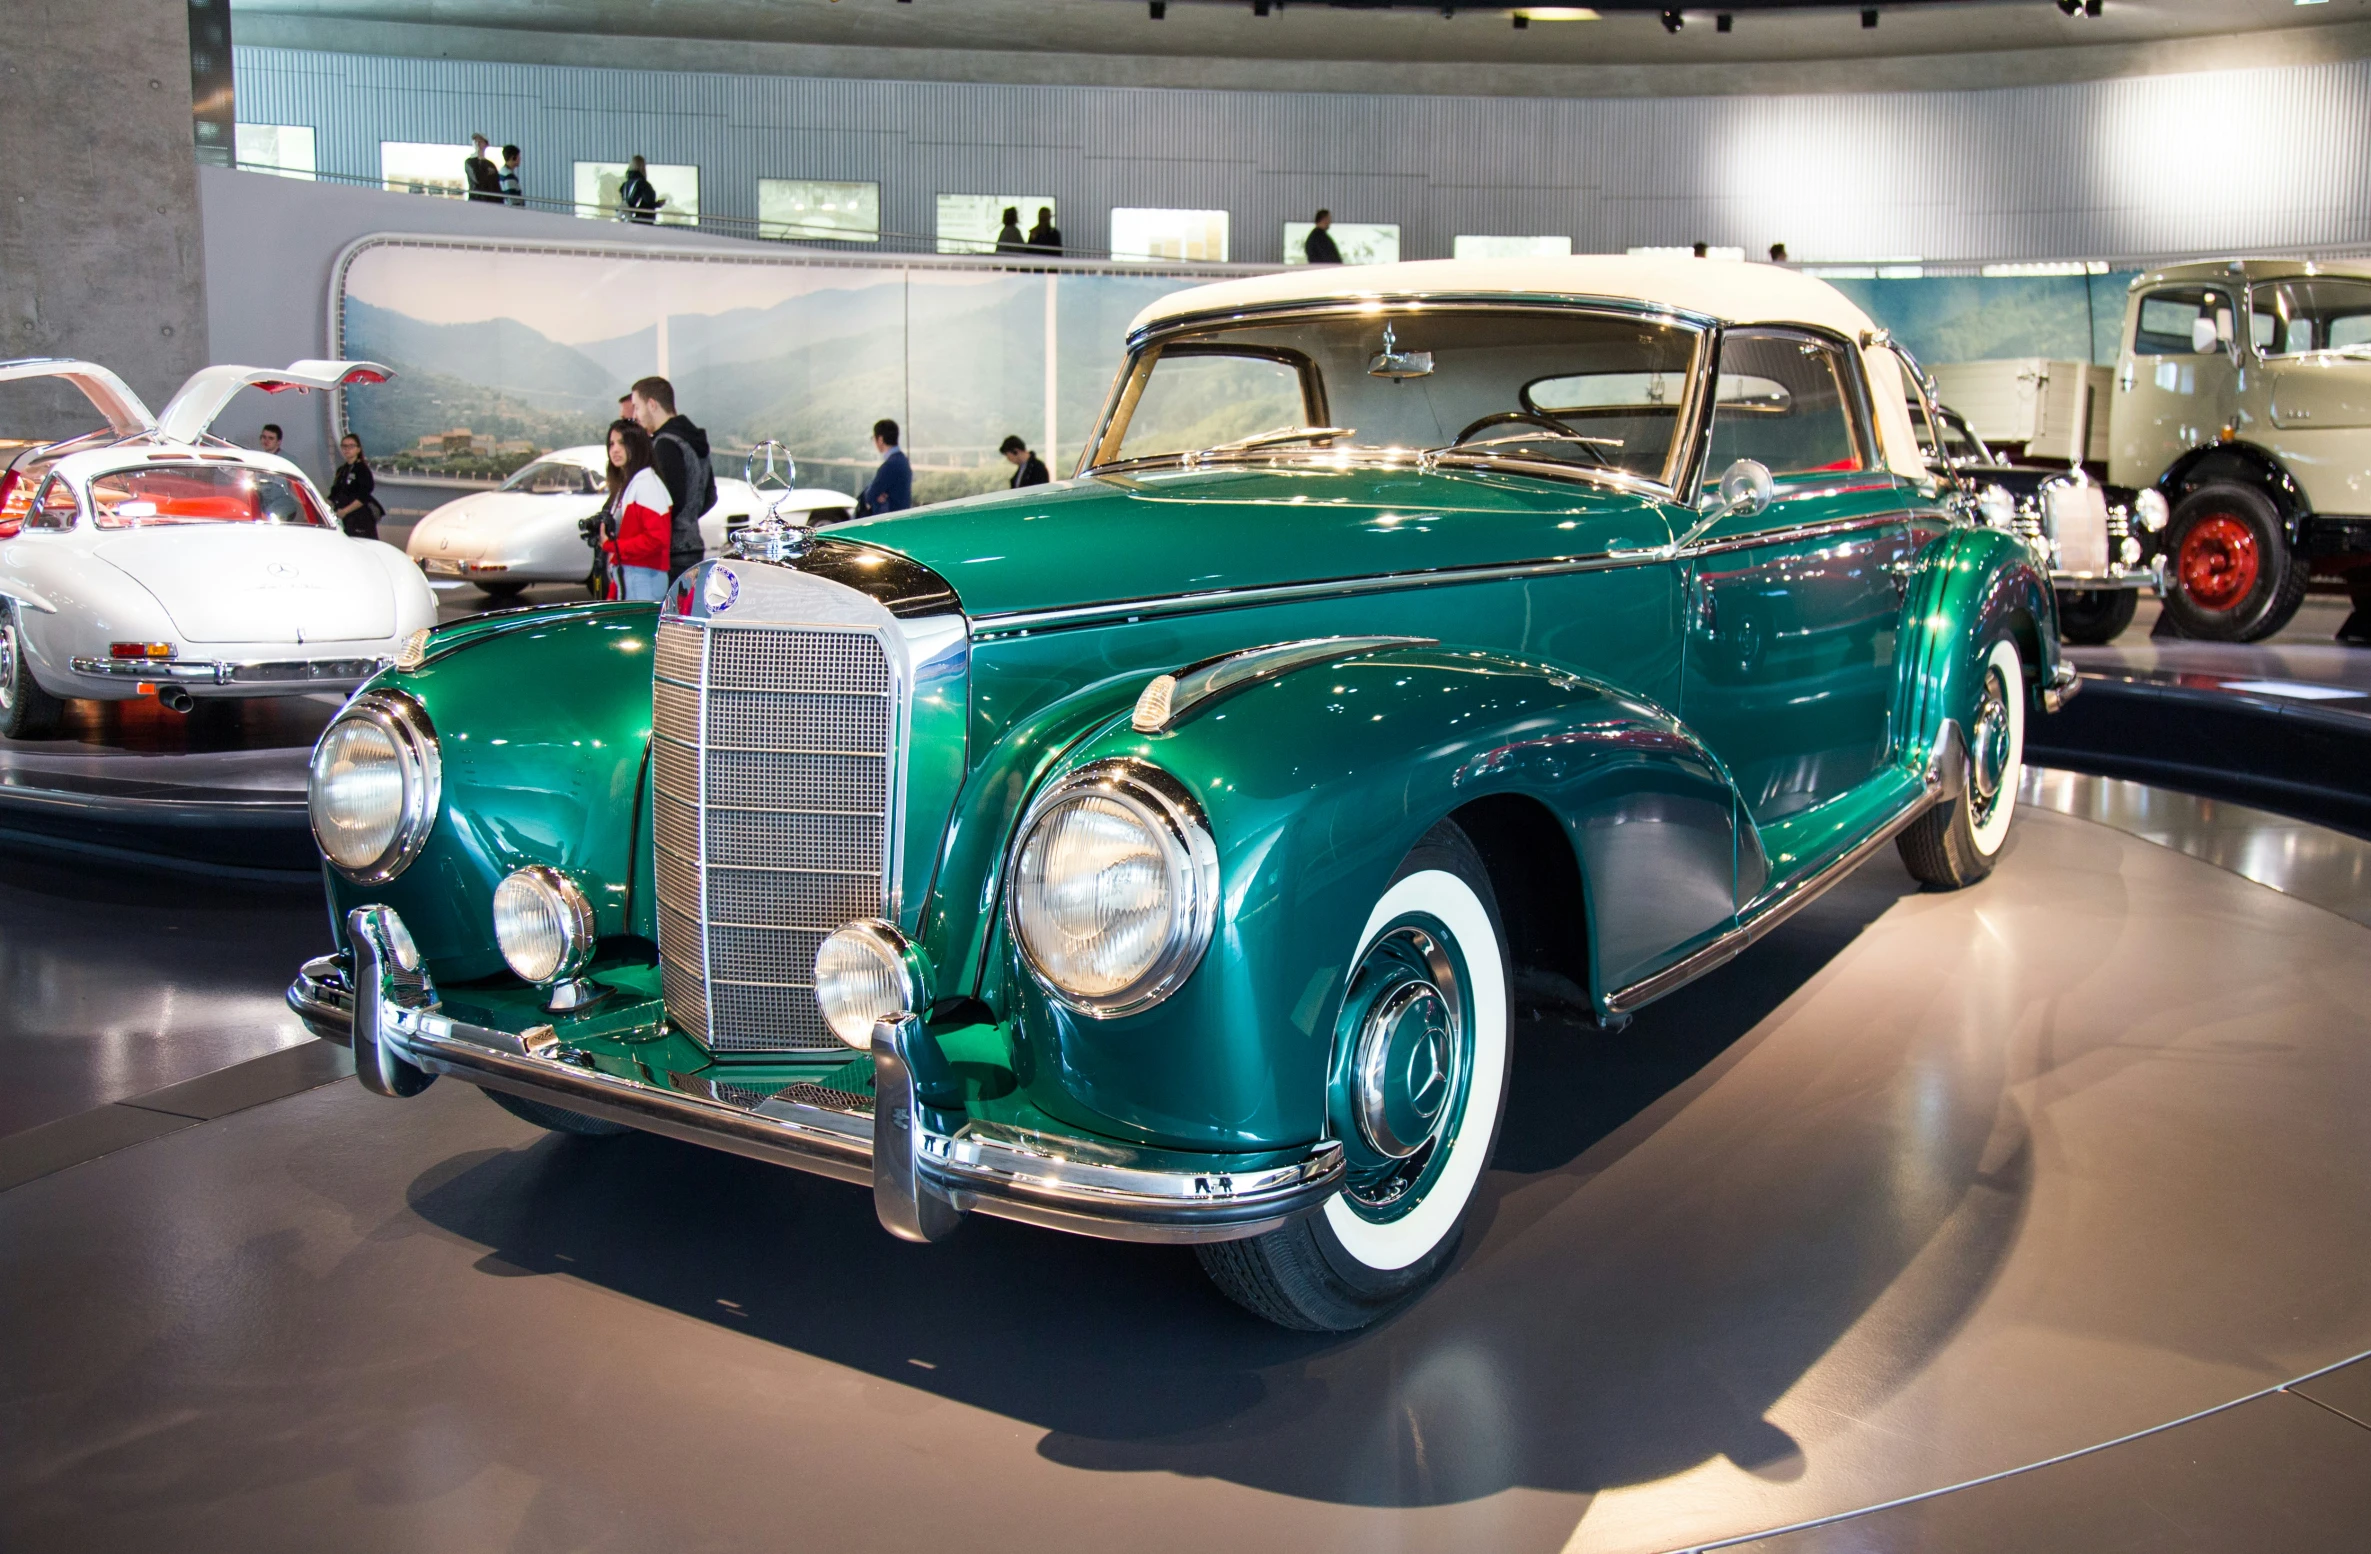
1868,18
1672,21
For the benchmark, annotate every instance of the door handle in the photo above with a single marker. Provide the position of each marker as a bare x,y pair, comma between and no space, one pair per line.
2125,379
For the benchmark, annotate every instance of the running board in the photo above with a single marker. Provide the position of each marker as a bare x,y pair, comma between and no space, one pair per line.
1782,902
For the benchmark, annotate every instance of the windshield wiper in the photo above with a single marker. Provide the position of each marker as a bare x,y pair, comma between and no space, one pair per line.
1589,445
1282,434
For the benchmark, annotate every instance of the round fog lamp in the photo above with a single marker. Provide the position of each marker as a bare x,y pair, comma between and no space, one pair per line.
543,924
2149,506
867,972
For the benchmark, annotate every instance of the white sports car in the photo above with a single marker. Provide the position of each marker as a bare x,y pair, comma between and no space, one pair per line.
531,530
150,559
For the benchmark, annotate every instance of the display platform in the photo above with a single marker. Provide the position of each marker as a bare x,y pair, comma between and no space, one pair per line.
2023,1217
2284,724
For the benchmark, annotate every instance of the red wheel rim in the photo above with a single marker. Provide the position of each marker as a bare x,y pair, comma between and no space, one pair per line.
2218,562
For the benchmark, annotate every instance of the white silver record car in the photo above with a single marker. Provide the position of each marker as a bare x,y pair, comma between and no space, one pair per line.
531,529
151,559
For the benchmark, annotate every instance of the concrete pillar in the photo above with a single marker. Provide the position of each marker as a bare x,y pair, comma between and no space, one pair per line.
101,255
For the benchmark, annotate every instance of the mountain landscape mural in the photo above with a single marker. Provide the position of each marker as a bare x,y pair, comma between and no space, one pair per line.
957,357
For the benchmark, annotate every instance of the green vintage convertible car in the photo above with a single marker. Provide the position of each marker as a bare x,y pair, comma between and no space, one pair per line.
1161,854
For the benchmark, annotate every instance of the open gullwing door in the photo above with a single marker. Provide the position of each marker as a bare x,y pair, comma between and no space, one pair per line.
108,394
209,390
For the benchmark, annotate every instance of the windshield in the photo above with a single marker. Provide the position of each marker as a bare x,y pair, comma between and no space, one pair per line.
548,477
2320,314
1589,391
156,494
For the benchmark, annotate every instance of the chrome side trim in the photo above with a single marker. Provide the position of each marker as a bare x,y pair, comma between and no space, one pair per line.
399,1028
1794,532
1773,908
1013,622
1166,699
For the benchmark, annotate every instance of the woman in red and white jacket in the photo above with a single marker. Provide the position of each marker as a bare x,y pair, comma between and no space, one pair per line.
640,523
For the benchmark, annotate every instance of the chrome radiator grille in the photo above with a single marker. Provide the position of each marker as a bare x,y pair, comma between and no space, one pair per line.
773,781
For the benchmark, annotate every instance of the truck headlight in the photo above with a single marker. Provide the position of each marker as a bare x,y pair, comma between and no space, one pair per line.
2149,507
1114,888
866,972
543,924
373,786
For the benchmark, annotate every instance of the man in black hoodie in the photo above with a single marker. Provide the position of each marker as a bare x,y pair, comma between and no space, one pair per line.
679,452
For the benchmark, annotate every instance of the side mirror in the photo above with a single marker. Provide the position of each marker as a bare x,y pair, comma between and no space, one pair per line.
2202,335
1746,488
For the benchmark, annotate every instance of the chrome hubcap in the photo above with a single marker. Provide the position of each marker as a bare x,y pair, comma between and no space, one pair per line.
1406,1053
1990,758
1407,1072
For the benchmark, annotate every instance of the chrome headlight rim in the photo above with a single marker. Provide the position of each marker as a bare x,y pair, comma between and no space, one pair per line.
1175,818
899,954
577,939
408,728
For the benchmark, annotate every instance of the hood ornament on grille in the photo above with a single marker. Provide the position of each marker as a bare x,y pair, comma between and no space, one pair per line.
769,537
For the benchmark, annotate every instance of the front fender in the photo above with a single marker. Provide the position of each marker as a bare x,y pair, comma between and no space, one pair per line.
1316,784
2241,464
542,722
1968,588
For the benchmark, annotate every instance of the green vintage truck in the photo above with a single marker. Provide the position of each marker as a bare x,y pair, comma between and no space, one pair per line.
1157,854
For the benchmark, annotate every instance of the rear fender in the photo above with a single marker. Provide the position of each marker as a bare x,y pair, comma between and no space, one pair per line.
1316,784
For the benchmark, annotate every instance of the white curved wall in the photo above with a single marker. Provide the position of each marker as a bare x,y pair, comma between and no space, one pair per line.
2121,169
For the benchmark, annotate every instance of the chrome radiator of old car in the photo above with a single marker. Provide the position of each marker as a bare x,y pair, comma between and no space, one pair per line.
774,787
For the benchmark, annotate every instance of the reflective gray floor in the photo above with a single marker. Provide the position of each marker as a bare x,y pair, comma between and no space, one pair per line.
1924,1188
2313,863
116,980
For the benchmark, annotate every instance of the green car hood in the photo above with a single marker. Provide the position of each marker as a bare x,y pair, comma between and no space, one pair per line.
1115,537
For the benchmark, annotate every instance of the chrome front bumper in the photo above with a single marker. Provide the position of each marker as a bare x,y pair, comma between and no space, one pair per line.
927,1168
303,674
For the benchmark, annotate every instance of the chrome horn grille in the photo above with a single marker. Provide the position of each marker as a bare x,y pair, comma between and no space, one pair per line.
774,777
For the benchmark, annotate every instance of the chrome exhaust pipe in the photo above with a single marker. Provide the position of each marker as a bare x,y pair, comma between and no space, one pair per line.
175,698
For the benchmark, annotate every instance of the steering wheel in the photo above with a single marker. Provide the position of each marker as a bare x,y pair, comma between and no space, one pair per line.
1541,420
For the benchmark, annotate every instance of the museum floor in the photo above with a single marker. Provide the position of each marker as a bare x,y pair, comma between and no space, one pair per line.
2051,1191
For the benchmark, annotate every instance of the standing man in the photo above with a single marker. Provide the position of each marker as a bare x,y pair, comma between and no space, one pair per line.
268,440
1045,237
1318,247
1028,468
512,193
639,200
679,452
485,184
891,489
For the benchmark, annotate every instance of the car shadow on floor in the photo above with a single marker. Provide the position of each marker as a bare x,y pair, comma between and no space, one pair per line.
1567,1352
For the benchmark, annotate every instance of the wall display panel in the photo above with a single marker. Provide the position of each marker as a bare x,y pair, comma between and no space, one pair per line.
1468,246
503,352
815,210
969,223
1360,242
284,149
418,167
1141,234
676,184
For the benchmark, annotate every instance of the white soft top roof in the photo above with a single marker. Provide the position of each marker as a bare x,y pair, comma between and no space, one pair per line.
1723,289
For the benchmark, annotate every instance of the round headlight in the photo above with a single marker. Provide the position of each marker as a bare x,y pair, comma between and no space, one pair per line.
2149,507
1114,888
543,924
867,972
372,791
